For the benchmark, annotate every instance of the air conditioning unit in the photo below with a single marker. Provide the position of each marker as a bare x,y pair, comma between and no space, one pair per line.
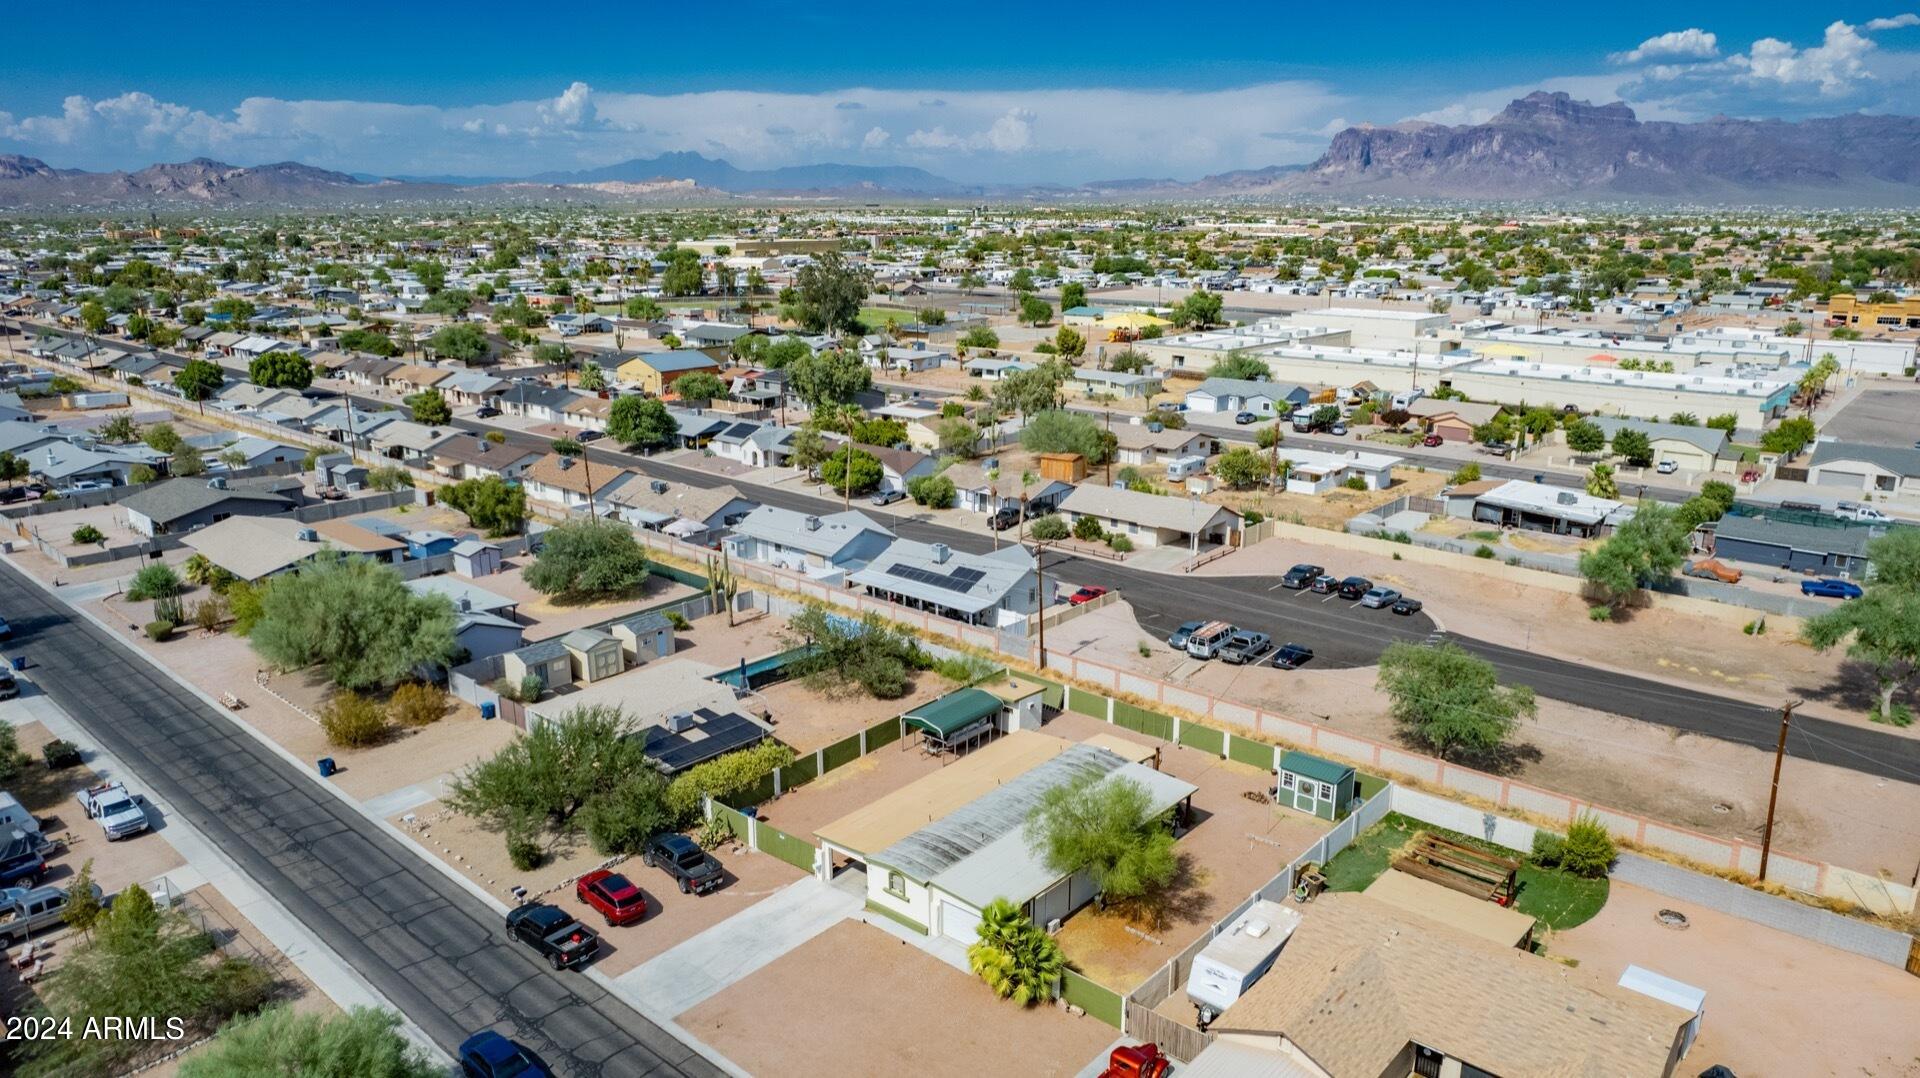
1053,927
679,722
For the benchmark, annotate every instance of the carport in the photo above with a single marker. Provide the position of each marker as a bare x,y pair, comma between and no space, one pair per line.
956,722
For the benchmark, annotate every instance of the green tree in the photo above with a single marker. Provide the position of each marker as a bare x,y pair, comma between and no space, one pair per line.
1199,309
1029,391
880,432
644,309
84,908
355,618
851,471
701,386
93,316
1643,552
489,502
1243,366
363,1043
829,378
1450,700
370,341
1072,294
1035,311
546,778
848,657
1726,421
430,407
1600,482
1105,827
1634,446
979,337
933,491
958,436
462,341
828,292
1585,436
452,302
1014,957
588,560
199,380
1060,431
1069,342
810,449
1790,437
641,421
1881,628
684,275
1242,468
556,354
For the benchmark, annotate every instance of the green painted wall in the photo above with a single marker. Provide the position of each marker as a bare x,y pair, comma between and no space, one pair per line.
1248,751
883,733
1098,1000
1139,719
1205,738
794,851
1088,703
842,752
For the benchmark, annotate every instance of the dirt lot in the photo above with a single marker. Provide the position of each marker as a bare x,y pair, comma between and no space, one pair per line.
1334,508
1776,1004
1712,786
49,796
809,720
1233,848
849,787
892,1010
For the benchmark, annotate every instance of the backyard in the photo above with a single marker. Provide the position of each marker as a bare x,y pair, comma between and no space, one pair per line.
1557,899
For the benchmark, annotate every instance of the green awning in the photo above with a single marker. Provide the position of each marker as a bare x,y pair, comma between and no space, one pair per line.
953,712
1315,768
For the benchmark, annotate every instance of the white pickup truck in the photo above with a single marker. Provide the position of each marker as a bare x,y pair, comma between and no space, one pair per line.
118,811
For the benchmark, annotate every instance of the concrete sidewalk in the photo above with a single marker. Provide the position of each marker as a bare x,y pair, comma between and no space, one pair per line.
706,965
207,863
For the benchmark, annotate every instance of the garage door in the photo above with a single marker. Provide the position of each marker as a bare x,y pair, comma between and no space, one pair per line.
959,923
1832,478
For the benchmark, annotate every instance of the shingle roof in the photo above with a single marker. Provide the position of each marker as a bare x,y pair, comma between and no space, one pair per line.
683,359
1900,460
166,502
1709,439
1151,510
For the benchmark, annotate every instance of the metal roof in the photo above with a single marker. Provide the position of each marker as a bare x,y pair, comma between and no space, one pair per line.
1314,767
953,711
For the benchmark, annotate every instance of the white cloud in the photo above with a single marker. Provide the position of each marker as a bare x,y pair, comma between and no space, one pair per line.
1834,65
1058,134
1896,22
1692,42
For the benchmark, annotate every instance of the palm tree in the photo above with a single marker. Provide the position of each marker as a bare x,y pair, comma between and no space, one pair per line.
1014,957
198,569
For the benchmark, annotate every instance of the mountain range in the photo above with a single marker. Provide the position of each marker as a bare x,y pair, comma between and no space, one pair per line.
1542,147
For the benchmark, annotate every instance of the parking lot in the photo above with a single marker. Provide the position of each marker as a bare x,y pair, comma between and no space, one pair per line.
1877,416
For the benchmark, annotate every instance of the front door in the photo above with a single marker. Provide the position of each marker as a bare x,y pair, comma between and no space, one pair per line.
1304,799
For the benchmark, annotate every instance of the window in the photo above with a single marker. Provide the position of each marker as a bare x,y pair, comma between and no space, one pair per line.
896,885
1326,792
1286,780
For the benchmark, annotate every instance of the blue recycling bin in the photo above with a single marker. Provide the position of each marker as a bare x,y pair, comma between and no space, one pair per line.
19,662
486,709
326,767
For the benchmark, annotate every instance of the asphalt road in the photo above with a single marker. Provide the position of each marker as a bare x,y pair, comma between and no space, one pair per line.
434,950
1343,634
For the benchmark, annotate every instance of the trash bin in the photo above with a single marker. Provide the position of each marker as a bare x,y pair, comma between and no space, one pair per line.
326,767
19,662
487,709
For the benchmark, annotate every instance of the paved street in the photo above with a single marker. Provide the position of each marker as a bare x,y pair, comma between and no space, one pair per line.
433,949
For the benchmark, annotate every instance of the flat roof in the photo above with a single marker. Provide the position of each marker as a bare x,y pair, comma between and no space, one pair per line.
1010,688
1487,920
888,819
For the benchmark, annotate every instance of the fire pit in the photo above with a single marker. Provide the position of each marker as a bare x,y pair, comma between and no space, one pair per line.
1671,919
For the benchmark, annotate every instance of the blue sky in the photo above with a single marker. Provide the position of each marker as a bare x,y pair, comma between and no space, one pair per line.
977,92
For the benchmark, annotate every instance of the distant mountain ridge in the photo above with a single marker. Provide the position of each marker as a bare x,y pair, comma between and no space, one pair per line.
1542,147
1550,146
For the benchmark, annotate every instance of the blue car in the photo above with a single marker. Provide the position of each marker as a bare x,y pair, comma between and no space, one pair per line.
487,1054
1831,589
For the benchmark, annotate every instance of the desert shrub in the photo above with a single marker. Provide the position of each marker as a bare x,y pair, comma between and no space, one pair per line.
1600,613
208,613
622,820
1050,528
159,630
1088,528
1484,551
1120,543
724,778
1586,851
417,703
155,581
678,620
524,691
353,721
1354,482
523,847
87,533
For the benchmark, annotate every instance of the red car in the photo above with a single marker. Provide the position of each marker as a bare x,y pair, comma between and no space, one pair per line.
617,898
1432,440
1086,595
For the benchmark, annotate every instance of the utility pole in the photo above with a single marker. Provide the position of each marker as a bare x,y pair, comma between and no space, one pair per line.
1109,415
1773,798
1040,581
846,484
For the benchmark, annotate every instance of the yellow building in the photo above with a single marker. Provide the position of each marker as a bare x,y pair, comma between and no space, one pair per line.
1852,311
653,372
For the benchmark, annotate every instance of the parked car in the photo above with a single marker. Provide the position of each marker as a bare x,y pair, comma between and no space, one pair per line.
1292,656
21,861
1831,589
1004,519
486,412
118,811
1667,467
1378,596
1206,641
1711,569
1325,585
1354,587
617,898
693,869
1301,576
9,688
1406,605
24,912
1178,641
1497,448
487,1054
554,934
1245,647
887,497
1432,440
1244,418
1172,406
1751,475
1086,595
1338,430
6,630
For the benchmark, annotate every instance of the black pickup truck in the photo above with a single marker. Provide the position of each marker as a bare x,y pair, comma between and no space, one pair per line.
554,934
693,868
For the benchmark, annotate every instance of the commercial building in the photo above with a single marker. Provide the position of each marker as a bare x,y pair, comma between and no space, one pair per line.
1753,397
1850,310
1366,326
1593,348
1198,352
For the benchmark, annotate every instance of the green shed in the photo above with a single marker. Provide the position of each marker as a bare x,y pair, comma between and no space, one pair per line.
1319,787
956,720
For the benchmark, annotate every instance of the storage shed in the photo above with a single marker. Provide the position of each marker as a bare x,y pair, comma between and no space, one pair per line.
645,636
1316,786
595,654
473,558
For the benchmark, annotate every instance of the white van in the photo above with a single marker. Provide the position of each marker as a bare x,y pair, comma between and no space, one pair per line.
1206,641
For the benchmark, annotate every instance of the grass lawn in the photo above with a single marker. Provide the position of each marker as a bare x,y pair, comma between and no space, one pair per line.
875,318
1556,898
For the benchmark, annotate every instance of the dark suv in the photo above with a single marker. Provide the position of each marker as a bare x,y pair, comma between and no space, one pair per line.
1354,587
1300,576
1004,519
693,868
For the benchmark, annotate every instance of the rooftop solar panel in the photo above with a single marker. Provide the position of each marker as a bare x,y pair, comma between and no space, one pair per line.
712,735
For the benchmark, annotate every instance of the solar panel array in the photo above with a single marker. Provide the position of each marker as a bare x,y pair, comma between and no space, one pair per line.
712,735
959,580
